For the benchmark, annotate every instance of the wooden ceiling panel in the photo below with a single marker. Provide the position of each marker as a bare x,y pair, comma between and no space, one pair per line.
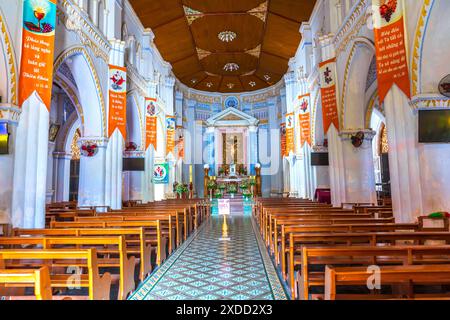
249,32
174,49
221,6
156,13
216,63
186,34
282,37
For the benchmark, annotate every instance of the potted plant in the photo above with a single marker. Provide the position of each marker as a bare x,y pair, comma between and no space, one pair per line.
181,189
222,187
221,171
247,194
232,190
211,186
218,194
244,185
252,184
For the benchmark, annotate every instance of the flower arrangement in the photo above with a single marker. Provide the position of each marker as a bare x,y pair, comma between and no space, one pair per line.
252,181
222,187
211,185
218,194
221,171
89,149
247,194
181,189
244,185
131,146
232,189
439,215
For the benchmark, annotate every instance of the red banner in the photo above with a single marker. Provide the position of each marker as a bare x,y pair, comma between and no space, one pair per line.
170,131
328,93
283,139
392,66
38,41
305,119
151,126
290,145
117,100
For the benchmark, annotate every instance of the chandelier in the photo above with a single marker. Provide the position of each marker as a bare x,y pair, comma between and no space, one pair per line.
231,67
230,85
227,36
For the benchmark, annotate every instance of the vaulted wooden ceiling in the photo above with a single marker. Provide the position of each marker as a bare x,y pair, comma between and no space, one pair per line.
187,36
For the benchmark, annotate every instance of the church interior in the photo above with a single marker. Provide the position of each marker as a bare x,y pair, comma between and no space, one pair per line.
224,150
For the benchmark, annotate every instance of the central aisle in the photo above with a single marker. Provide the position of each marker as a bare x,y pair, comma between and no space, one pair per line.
209,267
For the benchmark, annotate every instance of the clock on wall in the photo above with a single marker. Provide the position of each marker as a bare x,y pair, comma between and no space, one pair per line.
231,102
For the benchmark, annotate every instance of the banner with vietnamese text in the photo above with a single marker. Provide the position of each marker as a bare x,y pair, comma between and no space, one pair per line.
151,126
305,119
283,139
117,100
38,40
170,131
328,93
290,145
392,66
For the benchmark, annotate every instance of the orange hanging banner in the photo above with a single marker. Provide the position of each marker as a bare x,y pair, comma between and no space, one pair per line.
305,119
38,41
151,123
392,66
117,100
170,131
180,146
283,139
328,93
290,133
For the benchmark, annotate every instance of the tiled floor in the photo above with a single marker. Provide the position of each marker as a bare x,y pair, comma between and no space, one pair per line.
207,267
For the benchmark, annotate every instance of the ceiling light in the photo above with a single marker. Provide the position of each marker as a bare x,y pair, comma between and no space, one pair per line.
227,36
230,85
231,67
209,84
266,77
194,81
252,83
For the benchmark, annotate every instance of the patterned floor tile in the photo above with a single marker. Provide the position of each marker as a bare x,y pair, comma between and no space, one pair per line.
207,268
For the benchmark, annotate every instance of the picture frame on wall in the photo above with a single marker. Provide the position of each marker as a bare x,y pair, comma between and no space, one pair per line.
53,132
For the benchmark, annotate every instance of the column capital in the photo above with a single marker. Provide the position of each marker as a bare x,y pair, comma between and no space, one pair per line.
10,113
170,81
348,133
101,142
289,78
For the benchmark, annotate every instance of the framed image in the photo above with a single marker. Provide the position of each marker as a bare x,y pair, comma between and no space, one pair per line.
53,132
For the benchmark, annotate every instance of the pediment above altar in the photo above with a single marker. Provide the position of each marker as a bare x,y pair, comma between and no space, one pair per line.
232,117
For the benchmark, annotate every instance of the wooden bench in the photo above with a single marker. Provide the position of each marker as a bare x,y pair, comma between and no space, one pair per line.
152,229
112,253
298,240
390,275
137,242
363,256
39,278
98,285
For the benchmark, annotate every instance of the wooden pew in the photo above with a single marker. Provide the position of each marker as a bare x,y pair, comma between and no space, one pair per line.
106,246
137,242
330,240
98,285
152,228
363,256
390,275
39,278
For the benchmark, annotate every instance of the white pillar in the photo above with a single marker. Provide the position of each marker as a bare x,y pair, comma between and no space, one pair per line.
61,176
30,165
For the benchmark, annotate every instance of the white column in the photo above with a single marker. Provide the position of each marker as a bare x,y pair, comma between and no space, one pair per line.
404,162
30,165
115,148
10,114
61,176
358,164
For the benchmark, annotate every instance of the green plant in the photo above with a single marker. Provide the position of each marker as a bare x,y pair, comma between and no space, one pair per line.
218,194
247,194
211,185
252,181
181,188
232,189
221,171
222,187
244,185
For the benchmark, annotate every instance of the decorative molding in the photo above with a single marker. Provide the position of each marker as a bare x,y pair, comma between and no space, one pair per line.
75,20
10,112
72,96
10,61
417,47
136,80
260,11
429,102
80,50
352,25
192,15
313,116
256,52
202,54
